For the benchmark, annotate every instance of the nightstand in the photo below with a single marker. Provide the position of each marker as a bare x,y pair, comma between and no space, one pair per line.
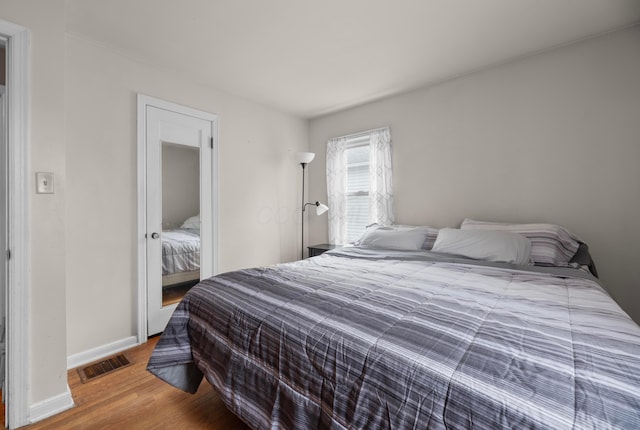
315,250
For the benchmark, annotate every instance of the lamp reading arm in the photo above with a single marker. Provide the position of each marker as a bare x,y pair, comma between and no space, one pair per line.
320,208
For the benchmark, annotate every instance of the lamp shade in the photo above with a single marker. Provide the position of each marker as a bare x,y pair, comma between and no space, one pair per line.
320,208
304,157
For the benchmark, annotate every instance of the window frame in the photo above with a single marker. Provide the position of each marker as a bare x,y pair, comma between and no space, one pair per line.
380,193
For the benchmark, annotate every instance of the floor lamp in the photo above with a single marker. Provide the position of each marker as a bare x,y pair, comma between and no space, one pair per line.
305,158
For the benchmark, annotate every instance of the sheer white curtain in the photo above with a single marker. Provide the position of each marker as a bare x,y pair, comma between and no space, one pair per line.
380,184
337,189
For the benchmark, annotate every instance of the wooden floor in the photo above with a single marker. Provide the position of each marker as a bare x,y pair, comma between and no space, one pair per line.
132,398
174,293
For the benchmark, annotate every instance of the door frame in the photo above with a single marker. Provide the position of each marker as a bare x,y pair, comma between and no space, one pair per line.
144,101
18,143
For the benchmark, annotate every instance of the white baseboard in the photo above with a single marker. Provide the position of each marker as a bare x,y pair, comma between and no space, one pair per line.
95,354
51,406
63,401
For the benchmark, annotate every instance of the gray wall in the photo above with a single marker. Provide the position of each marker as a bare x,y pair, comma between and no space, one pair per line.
553,137
258,180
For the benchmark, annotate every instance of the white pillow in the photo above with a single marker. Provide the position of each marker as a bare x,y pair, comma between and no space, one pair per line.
500,246
192,222
409,239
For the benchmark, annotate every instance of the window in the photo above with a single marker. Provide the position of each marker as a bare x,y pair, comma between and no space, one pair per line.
358,183
357,212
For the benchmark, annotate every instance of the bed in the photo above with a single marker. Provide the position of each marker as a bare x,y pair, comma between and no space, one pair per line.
181,253
390,336
180,256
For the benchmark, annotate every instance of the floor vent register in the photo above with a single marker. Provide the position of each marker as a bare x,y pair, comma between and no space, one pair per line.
103,367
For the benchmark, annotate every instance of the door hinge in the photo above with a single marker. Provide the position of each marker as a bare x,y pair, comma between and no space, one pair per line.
211,141
8,254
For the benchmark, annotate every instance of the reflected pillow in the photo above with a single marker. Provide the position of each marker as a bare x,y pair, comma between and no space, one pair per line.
551,245
398,238
499,246
192,222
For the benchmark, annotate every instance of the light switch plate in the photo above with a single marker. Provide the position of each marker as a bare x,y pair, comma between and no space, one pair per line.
44,182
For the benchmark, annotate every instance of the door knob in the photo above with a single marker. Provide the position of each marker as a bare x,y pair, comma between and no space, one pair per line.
154,235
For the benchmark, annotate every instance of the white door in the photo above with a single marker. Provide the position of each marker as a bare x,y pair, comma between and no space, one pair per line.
179,209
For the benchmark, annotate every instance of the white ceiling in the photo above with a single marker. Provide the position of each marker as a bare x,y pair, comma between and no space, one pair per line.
309,57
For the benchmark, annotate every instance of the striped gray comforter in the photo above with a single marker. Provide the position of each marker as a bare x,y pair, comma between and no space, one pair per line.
348,340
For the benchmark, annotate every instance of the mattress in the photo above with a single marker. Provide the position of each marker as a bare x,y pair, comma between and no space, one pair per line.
358,339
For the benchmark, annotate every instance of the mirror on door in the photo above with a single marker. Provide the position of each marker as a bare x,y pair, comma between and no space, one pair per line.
180,220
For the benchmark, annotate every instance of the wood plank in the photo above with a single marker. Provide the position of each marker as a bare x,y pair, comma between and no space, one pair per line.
132,398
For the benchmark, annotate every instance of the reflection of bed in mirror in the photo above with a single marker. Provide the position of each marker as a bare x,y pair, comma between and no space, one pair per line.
181,253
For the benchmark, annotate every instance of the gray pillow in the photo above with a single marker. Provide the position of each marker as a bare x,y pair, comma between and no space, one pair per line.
551,244
429,240
432,234
404,239
499,246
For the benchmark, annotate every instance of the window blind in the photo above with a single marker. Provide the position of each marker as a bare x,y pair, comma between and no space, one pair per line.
357,191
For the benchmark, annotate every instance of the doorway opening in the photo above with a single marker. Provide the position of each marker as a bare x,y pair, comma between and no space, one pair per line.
3,220
15,212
